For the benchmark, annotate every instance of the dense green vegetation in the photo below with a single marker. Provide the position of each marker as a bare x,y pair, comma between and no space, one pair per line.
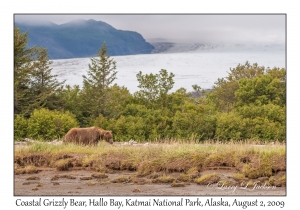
250,103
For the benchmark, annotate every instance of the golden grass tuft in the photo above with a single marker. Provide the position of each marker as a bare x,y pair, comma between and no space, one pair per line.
177,184
184,178
91,183
254,171
29,169
63,164
120,179
56,177
153,175
207,179
163,179
137,180
149,166
193,172
239,177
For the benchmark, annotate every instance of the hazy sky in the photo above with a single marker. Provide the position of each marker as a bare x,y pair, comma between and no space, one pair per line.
201,28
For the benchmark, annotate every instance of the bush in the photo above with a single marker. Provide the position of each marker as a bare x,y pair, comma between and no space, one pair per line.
20,127
129,127
193,125
100,122
230,127
45,124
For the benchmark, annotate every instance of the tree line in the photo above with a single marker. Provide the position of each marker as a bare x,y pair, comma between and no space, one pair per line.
249,103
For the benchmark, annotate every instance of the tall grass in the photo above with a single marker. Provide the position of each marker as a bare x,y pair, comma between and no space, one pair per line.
252,160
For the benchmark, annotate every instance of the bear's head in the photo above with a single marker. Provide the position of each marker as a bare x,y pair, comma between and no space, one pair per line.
108,136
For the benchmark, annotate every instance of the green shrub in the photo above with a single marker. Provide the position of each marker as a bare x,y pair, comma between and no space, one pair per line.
20,127
44,124
129,127
101,122
230,127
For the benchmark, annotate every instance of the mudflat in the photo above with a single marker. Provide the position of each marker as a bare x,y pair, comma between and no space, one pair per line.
50,182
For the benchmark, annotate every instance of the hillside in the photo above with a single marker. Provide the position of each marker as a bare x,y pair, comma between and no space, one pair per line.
83,38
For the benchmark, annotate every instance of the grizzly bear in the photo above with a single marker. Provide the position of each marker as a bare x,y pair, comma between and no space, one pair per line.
88,136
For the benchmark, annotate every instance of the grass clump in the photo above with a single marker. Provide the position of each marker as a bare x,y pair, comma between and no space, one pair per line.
239,177
153,175
164,179
137,180
177,184
30,169
207,179
277,181
86,178
63,164
150,166
193,172
184,178
99,175
90,161
33,178
254,171
91,183
120,179
56,177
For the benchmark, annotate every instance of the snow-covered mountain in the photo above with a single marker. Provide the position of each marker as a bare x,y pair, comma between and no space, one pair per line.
192,63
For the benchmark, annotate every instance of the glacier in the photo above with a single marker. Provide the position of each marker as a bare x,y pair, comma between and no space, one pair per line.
200,64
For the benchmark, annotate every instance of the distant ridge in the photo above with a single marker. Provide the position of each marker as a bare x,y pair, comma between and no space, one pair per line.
83,38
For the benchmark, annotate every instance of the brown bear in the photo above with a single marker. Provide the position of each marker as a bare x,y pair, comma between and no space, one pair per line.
88,136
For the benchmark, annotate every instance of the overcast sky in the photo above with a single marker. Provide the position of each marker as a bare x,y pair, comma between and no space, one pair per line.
201,28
